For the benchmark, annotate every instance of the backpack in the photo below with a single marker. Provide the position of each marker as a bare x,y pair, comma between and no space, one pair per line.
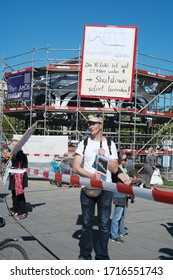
108,143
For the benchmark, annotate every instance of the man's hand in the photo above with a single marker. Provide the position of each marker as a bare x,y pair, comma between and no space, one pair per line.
96,175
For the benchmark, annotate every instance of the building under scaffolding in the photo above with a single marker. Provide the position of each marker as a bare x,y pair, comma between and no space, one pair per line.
50,95
3,90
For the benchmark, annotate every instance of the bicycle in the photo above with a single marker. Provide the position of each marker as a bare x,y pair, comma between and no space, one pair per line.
9,250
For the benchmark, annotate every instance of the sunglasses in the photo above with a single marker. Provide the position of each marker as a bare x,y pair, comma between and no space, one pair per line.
124,159
92,123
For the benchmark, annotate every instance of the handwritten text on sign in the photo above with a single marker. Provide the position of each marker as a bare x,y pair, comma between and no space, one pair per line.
108,62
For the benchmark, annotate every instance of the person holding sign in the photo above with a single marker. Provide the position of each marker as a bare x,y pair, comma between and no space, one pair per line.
18,181
92,161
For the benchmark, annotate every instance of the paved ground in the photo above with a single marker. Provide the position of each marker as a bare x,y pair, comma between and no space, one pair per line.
52,228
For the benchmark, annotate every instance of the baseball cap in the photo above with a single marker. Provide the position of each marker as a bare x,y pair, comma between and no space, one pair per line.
97,119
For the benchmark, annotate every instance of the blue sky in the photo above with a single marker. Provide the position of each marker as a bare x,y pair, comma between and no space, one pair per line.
60,24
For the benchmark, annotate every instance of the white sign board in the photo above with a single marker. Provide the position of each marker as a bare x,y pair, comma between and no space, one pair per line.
42,149
108,58
23,139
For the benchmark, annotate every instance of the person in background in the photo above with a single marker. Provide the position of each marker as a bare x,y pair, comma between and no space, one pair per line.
120,201
17,183
148,168
83,166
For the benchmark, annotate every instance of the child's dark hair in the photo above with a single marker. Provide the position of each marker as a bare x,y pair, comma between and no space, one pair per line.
121,153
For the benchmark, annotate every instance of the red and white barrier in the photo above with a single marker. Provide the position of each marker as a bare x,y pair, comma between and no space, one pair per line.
149,194
46,155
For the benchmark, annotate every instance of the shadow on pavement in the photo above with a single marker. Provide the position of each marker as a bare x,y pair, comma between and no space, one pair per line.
30,206
167,251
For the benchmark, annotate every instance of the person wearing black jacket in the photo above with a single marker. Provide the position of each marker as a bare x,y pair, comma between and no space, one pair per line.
17,183
120,200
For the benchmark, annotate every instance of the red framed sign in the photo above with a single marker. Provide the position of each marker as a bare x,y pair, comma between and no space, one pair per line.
108,60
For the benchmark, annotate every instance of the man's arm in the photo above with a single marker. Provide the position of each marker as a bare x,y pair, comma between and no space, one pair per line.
113,165
113,162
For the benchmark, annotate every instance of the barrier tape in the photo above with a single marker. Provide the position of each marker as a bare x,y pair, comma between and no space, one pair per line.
149,194
47,155
38,154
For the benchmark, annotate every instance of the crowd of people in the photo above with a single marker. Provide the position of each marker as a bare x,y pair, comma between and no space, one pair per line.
97,159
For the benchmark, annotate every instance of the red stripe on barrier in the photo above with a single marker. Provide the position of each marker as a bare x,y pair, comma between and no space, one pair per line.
46,174
165,197
125,189
36,155
46,155
58,177
96,184
75,180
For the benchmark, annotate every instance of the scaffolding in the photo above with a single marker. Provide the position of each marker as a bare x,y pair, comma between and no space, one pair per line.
3,89
133,125
1,110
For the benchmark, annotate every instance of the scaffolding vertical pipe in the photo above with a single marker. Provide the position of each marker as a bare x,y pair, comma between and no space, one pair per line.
77,136
1,110
119,130
135,115
46,91
1,120
32,83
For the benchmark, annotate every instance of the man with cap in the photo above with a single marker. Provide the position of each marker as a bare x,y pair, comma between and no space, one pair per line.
83,166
